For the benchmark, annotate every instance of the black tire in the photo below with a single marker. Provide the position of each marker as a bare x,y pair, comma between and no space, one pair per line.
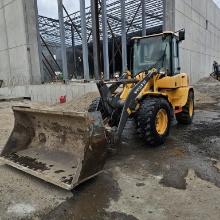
96,105
186,117
146,120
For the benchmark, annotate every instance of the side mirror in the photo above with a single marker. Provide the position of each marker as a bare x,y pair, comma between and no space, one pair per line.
182,35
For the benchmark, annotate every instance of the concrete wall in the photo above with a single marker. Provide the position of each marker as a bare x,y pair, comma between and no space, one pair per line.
169,15
201,19
49,93
19,57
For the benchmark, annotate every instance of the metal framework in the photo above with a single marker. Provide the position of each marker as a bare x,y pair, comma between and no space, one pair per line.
49,28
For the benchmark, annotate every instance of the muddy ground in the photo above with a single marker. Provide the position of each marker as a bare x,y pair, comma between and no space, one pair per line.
179,180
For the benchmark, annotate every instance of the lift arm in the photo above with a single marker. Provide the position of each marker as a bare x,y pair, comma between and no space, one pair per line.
131,103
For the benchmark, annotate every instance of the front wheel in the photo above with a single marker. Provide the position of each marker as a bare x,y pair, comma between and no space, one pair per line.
97,105
153,120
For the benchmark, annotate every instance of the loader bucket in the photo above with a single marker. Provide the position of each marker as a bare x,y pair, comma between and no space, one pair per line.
63,148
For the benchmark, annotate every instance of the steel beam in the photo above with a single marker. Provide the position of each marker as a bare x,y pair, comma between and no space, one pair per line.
48,49
143,17
72,23
49,28
62,36
123,36
132,21
84,40
95,37
119,20
105,40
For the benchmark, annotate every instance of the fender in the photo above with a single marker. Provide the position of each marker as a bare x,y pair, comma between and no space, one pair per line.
177,97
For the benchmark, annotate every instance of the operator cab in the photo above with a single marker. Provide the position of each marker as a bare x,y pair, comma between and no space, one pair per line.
160,51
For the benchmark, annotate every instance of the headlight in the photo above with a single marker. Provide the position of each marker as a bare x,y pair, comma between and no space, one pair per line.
116,75
162,71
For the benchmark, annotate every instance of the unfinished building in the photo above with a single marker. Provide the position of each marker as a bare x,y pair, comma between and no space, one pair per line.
33,51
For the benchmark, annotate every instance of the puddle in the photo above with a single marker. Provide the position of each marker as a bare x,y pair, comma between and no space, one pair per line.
90,200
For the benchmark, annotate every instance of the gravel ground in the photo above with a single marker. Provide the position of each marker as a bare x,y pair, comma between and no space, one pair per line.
179,180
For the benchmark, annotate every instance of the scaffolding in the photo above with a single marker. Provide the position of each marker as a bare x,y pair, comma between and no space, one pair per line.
138,17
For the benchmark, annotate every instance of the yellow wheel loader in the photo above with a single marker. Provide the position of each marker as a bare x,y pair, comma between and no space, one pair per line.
152,92
67,148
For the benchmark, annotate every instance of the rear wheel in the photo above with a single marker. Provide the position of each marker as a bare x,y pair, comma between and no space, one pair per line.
153,120
186,116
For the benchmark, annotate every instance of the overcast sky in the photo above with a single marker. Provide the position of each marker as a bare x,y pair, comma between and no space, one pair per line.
217,2
49,7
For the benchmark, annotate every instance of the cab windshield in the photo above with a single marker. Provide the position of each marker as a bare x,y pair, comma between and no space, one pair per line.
151,52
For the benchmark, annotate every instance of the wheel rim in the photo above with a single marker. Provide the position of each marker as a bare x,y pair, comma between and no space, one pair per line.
161,121
191,107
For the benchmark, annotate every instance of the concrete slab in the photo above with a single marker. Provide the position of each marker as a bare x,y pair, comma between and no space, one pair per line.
180,6
32,41
4,66
16,32
188,9
49,93
202,34
3,35
200,6
20,72
211,11
18,36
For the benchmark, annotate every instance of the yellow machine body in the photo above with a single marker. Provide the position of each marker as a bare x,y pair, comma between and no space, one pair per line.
175,88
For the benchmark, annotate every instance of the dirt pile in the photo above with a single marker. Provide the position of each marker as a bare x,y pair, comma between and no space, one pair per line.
206,90
203,97
207,80
81,104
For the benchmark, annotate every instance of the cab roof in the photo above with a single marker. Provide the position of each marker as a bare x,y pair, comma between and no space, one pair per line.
154,35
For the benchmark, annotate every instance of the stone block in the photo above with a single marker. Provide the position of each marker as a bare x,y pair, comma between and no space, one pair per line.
3,34
4,66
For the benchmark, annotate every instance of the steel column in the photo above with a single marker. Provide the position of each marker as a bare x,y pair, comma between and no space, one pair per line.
62,36
95,37
84,40
123,36
113,55
143,17
105,40
74,51
38,42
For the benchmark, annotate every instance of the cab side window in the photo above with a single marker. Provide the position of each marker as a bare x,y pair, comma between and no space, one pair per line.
176,62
